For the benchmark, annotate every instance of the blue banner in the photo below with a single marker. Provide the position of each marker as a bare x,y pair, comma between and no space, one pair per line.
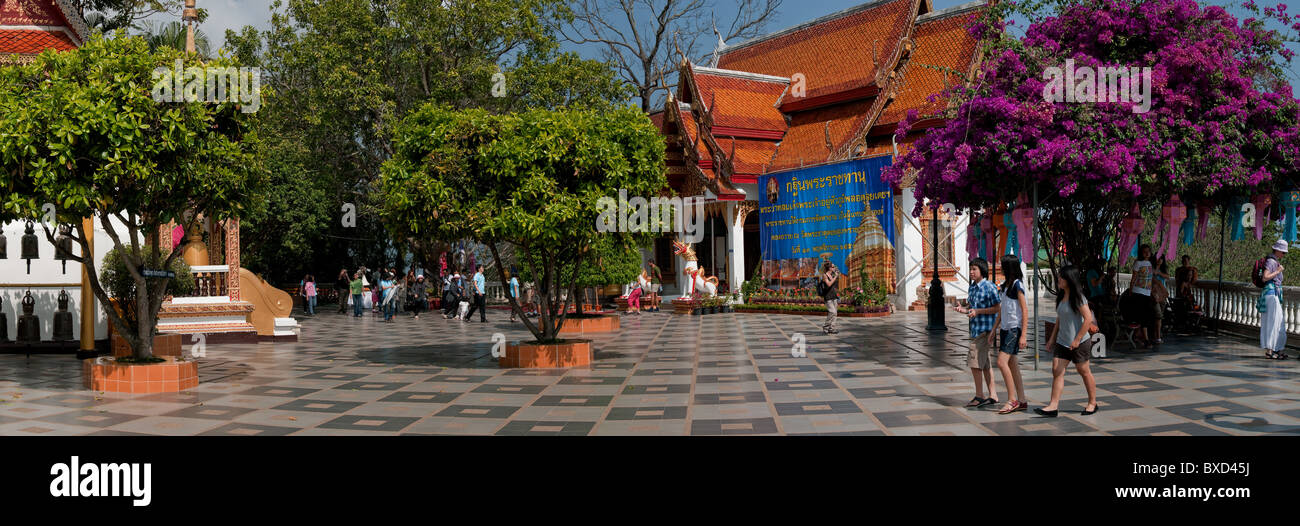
842,212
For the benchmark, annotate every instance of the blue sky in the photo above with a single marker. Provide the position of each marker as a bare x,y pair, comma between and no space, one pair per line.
234,14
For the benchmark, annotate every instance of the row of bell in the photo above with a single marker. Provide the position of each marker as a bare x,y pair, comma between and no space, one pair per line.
29,325
31,246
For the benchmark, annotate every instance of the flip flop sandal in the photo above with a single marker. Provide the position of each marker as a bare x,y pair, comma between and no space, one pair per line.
975,402
1009,408
988,401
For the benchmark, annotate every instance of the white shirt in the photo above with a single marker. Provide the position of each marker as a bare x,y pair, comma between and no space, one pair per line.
1142,277
1011,308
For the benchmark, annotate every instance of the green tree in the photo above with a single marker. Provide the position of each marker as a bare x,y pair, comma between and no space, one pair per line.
173,35
346,71
81,130
531,179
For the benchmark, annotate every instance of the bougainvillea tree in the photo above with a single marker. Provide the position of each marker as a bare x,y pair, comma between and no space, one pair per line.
1221,122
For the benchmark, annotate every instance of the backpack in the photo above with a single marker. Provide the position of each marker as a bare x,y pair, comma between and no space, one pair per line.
1257,273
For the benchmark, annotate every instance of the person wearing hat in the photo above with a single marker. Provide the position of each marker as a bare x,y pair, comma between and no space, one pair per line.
418,293
1272,325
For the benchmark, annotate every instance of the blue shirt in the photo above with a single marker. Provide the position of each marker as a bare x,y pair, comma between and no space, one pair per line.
386,286
982,295
480,284
514,287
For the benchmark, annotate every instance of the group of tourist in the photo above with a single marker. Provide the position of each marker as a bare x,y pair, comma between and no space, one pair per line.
997,315
998,327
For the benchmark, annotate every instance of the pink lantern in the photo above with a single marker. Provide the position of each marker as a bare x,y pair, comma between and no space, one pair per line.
1261,202
1172,215
972,237
1202,218
1130,230
1023,215
986,224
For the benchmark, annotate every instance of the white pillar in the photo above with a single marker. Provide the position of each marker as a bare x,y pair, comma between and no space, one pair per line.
735,248
909,252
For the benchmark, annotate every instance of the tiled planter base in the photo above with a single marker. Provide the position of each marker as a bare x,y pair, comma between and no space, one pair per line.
684,307
573,353
576,326
171,376
163,345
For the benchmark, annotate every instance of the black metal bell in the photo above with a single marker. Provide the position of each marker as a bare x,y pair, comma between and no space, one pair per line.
63,246
4,324
4,246
63,319
31,245
29,325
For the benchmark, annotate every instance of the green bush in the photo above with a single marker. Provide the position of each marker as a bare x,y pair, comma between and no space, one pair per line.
119,284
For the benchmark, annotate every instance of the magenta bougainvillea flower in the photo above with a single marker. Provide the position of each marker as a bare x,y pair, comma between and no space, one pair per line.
1221,120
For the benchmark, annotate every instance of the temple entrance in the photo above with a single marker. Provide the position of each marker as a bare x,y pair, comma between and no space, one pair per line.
753,249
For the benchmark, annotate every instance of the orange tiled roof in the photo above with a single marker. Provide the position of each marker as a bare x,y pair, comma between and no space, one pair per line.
751,155
805,142
738,101
943,42
836,53
32,41
47,13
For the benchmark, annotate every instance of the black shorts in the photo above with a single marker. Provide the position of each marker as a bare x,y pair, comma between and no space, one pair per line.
1010,341
1079,355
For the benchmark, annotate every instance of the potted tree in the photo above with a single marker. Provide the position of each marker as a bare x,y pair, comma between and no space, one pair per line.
96,143
539,180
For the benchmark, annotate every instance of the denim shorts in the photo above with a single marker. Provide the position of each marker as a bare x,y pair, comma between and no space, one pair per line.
1010,341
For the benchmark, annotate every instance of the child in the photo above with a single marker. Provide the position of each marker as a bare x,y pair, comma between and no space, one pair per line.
1070,341
983,299
1011,323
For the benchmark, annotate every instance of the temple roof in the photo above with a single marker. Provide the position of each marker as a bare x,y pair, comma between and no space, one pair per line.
835,53
942,41
862,70
28,27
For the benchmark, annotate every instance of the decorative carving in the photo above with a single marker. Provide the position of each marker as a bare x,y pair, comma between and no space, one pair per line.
743,209
232,258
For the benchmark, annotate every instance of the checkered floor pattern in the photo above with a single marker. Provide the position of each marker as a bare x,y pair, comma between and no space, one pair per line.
722,374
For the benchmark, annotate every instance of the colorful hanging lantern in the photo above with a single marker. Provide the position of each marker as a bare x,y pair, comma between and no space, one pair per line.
1024,221
1013,233
1188,230
1172,214
1237,214
1130,230
1262,203
1290,200
1000,228
986,225
1203,209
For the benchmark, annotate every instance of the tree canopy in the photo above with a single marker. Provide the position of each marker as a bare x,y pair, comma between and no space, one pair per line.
346,72
81,130
532,179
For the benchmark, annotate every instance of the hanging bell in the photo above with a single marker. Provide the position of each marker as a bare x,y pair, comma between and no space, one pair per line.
63,319
63,246
4,323
31,245
4,246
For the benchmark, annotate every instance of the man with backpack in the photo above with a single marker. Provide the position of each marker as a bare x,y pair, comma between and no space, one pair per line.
1267,275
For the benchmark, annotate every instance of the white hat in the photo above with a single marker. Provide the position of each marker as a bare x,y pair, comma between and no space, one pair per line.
1280,246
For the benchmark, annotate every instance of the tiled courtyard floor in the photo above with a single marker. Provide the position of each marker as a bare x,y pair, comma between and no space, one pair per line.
723,374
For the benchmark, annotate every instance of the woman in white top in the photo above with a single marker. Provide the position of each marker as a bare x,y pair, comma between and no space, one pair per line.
1011,322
